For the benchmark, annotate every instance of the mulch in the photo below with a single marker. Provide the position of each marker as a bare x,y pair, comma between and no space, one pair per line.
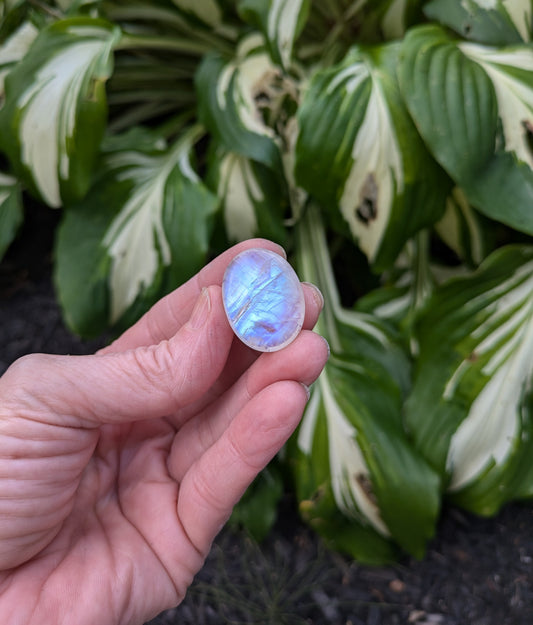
476,571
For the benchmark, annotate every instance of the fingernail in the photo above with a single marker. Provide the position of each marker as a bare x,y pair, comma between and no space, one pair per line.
281,251
201,310
317,294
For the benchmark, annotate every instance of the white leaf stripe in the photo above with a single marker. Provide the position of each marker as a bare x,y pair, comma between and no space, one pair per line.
136,241
6,180
376,177
57,88
520,13
508,307
393,22
240,191
347,465
8,184
281,27
492,429
15,48
241,80
515,97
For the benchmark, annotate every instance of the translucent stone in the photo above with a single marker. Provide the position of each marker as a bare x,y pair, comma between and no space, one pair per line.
263,299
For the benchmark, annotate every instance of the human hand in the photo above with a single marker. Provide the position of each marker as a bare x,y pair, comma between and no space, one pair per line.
117,470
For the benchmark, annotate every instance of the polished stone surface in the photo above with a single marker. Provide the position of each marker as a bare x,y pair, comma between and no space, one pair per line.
263,299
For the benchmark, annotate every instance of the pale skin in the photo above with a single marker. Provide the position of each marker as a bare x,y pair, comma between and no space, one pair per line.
117,470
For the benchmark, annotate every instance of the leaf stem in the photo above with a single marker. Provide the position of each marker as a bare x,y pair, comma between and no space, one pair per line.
168,18
46,9
314,264
336,32
172,126
151,95
169,44
423,280
140,114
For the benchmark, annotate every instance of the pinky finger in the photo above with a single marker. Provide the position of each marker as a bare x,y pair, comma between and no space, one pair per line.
219,478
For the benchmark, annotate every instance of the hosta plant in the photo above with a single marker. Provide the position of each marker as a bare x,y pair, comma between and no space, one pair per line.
386,144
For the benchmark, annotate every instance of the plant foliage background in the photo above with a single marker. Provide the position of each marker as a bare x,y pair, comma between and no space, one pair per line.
386,144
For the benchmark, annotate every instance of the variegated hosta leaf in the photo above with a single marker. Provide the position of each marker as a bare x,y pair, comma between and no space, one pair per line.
280,21
11,212
252,198
142,230
346,330
352,433
353,455
511,74
357,149
495,22
55,109
234,98
387,19
405,288
462,230
398,16
470,412
13,49
474,107
382,19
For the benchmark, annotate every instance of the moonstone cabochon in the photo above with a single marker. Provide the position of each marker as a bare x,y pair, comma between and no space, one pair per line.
263,299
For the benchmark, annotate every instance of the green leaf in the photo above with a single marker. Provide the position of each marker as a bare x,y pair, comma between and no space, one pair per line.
358,150
376,478
207,11
349,461
387,19
11,211
14,14
462,229
13,49
406,287
55,109
451,100
253,201
495,23
329,496
280,21
472,104
470,409
229,95
148,224
398,16
257,511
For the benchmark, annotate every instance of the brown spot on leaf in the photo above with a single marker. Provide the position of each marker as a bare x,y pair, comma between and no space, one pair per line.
367,210
364,482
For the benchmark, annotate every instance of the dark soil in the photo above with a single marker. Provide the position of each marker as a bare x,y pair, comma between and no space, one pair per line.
476,571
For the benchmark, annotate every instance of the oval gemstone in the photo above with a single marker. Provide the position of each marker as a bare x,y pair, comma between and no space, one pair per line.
263,299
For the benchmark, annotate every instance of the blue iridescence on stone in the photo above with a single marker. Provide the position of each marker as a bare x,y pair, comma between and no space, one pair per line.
263,299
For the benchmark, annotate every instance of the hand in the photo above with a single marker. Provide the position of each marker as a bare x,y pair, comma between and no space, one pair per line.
117,470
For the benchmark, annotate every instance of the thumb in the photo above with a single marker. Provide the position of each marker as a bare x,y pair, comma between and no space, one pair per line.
147,382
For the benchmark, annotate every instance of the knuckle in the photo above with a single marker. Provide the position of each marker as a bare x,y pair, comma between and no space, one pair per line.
154,366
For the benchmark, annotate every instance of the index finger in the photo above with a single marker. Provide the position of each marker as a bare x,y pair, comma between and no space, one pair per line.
165,317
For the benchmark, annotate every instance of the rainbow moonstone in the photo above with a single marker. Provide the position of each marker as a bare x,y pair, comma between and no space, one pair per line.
263,299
